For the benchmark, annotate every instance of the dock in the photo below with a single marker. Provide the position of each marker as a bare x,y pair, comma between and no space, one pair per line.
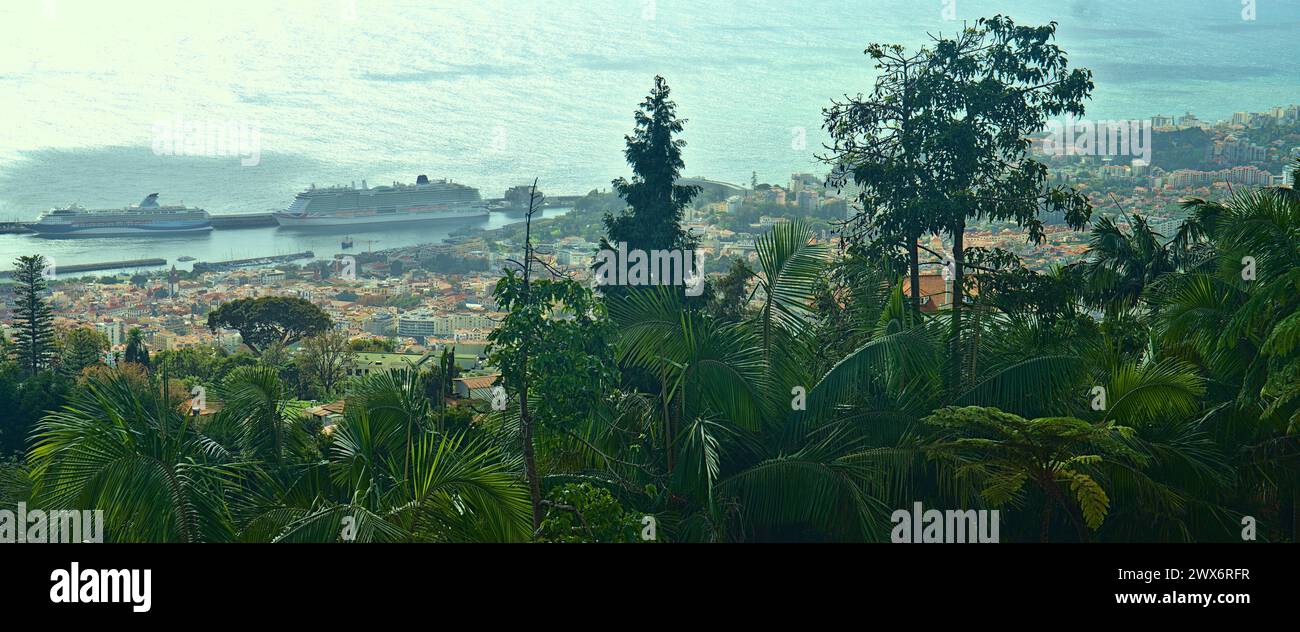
107,265
222,266
249,220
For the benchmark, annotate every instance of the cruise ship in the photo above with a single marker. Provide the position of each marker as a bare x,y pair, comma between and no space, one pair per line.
148,218
426,200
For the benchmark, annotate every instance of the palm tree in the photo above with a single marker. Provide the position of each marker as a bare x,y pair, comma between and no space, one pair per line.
127,448
160,475
739,469
136,351
1121,265
390,477
1234,316
753,451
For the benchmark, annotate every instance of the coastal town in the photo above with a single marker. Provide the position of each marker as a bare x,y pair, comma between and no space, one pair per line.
410,302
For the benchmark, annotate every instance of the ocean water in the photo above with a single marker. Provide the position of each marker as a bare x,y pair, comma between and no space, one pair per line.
494,93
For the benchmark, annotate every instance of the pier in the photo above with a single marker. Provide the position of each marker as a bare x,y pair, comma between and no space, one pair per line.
550,201
222,266
107,265
249,220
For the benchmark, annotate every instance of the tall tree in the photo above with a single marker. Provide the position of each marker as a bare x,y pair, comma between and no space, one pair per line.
33,319
731,294
878,144
655,200
987,91
553,348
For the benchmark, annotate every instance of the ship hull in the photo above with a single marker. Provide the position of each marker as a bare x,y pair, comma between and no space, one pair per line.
72,232
290,220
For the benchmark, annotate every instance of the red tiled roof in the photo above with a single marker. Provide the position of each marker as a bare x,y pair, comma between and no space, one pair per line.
332,408
485,381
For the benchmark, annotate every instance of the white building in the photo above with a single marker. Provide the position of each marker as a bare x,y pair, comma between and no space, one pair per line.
425,324
114,331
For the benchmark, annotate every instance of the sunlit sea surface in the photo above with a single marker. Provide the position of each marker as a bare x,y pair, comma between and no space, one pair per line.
494,93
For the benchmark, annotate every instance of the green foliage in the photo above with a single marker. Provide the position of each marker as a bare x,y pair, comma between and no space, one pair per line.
731,293
24,400
582,512
1004,451
136,350
372,345
252,473
556,336
270,320
655,200
323,359
133,453
944,138
202,365
82,347
33,343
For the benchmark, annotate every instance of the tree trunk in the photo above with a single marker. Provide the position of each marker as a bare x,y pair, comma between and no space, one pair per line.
668,427
1046,529
526,419
914,258
958,234
530,463
1295,490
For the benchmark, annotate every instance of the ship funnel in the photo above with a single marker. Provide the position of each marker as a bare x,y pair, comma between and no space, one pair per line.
150,201
422,180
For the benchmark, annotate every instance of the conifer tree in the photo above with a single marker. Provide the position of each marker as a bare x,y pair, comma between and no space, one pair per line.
33,319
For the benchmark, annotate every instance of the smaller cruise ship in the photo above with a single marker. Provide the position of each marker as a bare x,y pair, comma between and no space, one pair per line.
148,218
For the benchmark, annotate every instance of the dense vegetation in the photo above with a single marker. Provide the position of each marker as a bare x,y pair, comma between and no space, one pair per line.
1150,392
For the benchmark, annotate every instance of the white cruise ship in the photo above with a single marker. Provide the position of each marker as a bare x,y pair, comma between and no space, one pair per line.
146,219
426,200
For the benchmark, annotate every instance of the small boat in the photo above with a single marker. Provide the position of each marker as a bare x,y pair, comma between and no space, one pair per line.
347,243
185,258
